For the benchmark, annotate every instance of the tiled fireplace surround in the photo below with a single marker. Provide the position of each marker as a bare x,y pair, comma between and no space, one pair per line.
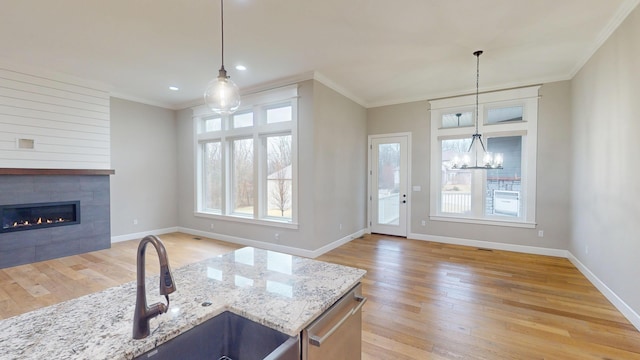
91,188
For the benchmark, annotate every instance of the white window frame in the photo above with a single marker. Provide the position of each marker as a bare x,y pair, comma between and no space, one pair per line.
526,97
257,103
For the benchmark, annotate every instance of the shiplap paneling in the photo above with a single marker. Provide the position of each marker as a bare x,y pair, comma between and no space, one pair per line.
68,121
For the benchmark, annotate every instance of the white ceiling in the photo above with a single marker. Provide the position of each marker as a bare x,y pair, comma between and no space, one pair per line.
376,52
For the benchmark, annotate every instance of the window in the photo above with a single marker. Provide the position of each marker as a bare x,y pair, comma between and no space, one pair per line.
246,162
280,113
507,121
212,124
242,176
241,120
453,120
212,181
279,179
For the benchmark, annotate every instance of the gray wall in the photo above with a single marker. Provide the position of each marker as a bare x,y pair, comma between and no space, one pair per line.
331,174
553,201
606,190
412,118
143,155
340,166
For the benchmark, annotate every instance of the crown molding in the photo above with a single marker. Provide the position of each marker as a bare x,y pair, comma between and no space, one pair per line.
623,11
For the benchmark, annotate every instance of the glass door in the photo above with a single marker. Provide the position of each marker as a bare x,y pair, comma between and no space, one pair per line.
389,183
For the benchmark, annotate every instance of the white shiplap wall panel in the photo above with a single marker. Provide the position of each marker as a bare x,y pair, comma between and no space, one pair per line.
51,156
46,81
61,141
63,94
48,115
63,109
46,164
54,149
55,101
30,130
68,121
50,125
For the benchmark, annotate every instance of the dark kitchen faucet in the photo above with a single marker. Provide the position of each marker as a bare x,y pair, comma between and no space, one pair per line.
144,313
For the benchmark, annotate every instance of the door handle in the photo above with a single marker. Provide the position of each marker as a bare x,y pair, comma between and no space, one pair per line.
317,341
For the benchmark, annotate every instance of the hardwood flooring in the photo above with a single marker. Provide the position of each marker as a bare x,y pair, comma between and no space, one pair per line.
438,301
426,300
27,287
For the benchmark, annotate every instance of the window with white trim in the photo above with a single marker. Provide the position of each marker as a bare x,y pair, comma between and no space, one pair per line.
246,162
507,121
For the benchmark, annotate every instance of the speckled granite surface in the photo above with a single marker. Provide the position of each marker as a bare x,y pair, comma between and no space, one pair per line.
278,290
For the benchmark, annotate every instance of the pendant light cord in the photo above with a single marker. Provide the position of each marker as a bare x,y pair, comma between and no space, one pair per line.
477,54
222,29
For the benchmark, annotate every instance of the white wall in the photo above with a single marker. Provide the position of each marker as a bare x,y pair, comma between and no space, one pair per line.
144,157
331,177
67,119
553,174
606,153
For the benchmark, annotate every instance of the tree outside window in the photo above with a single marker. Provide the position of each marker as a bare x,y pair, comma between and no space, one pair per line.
279,178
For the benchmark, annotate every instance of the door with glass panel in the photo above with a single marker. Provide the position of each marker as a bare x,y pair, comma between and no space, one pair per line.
388,175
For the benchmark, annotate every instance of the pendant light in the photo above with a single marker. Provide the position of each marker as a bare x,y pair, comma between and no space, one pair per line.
477,156
222,95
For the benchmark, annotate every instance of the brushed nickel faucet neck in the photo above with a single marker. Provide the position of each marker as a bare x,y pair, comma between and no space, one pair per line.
144,313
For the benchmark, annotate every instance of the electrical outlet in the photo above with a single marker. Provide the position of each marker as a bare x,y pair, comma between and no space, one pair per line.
424,223
135,221
540,233
211,226
277,236
340,226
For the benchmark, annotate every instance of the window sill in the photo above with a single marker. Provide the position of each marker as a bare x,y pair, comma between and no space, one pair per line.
504,223
247,220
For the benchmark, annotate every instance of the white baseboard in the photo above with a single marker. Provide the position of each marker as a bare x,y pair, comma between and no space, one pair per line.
271,246
625,309
140,235
491,245
338,243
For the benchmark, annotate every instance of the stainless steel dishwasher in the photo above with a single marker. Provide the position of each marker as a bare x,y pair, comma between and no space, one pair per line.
336,334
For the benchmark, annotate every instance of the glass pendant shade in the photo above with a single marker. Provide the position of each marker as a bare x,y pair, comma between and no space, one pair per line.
222,95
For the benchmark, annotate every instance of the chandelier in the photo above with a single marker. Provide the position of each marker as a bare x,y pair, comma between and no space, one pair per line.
477,156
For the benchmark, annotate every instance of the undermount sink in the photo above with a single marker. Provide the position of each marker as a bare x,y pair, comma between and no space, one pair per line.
228,336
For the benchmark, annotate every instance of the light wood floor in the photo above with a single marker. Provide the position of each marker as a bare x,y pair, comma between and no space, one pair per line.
426,300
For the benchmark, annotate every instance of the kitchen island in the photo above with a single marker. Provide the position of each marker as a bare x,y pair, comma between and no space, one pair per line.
281,291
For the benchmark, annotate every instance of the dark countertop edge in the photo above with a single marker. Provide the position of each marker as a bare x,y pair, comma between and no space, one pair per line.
25,171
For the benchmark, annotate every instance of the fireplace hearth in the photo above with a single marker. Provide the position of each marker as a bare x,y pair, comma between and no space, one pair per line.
20,217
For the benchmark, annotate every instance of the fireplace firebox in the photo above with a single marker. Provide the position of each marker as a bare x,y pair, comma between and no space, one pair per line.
19,217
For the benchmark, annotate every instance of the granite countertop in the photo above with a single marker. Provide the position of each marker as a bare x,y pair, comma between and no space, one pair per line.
281,291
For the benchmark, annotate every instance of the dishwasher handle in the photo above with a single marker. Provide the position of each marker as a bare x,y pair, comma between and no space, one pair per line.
317,341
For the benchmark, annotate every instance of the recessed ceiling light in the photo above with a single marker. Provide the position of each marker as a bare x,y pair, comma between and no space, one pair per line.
174,88
241,67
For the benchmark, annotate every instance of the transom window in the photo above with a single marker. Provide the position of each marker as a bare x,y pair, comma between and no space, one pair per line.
246,162
507,121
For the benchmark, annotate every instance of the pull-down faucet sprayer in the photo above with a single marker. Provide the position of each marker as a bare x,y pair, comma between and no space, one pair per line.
144,313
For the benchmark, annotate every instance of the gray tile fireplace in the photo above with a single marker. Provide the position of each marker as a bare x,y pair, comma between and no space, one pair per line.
32,197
